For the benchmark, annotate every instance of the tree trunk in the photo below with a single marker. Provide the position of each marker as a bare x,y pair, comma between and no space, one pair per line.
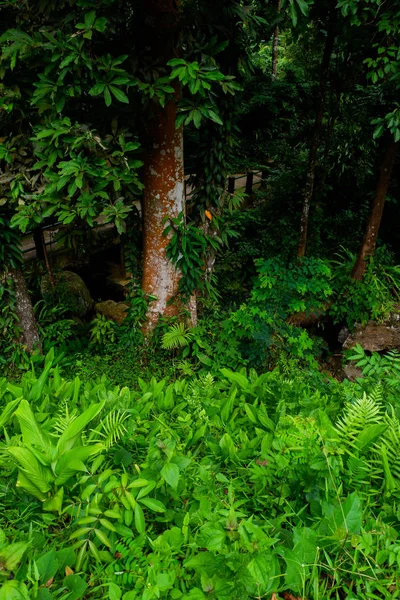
275,43
164,187
312,157
371,232
27,322
163,198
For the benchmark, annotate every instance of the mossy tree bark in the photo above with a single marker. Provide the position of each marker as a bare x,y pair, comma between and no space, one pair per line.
163,198
24,309
164,194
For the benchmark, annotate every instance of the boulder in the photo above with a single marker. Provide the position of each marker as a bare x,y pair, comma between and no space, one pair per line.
71,291
116,311
376,337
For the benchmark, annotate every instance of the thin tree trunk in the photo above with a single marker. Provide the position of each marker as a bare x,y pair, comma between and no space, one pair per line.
27,321
275,44
163,198
371,232
47,261
312,157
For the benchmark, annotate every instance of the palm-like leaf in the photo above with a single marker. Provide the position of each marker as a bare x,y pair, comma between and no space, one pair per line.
177,336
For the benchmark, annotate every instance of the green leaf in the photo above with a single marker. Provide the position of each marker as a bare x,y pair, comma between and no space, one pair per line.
212,536
6,415
293,13
107,96
90,18
119,94
263,569
102,537
114,591
303,6
97,89
139,519
31,469
214,117
11,555
76,586
13,590
227,446
170,472
47,566
369,435
55,503
75,428
236,378
154,505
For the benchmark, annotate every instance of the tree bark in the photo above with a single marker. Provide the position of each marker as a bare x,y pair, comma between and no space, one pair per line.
27,321
312,157
164,187
275,44
163,198
371,232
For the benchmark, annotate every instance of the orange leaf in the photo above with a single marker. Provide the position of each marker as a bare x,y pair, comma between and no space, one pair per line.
208,215
68,571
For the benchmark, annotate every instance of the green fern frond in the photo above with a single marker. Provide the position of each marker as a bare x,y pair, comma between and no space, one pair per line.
390,441
177,336
185,367
376,394
111,428
63,419
207,381
358,416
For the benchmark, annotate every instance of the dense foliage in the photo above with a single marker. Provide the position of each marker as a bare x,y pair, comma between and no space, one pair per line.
226,486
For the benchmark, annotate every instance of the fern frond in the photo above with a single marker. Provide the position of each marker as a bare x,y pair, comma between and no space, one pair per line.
177,336
359,415
63,419
111,428
376,394
185,367
207,380
391,442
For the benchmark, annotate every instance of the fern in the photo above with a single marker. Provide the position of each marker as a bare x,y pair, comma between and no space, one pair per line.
390,444
111,428
63,419
177,336
207,381
185,367
358,416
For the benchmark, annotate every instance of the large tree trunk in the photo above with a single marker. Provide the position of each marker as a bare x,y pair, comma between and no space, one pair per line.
371,232
27,322
275,44
163,198
312,157
164,194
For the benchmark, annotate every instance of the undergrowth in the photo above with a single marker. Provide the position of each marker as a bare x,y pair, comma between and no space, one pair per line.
223,485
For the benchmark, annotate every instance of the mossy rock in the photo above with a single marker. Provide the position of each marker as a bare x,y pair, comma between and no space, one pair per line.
71,291
116,311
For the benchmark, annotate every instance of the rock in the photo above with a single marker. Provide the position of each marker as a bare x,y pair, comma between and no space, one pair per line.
352,372
376,337
71,291
343,334
116,311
